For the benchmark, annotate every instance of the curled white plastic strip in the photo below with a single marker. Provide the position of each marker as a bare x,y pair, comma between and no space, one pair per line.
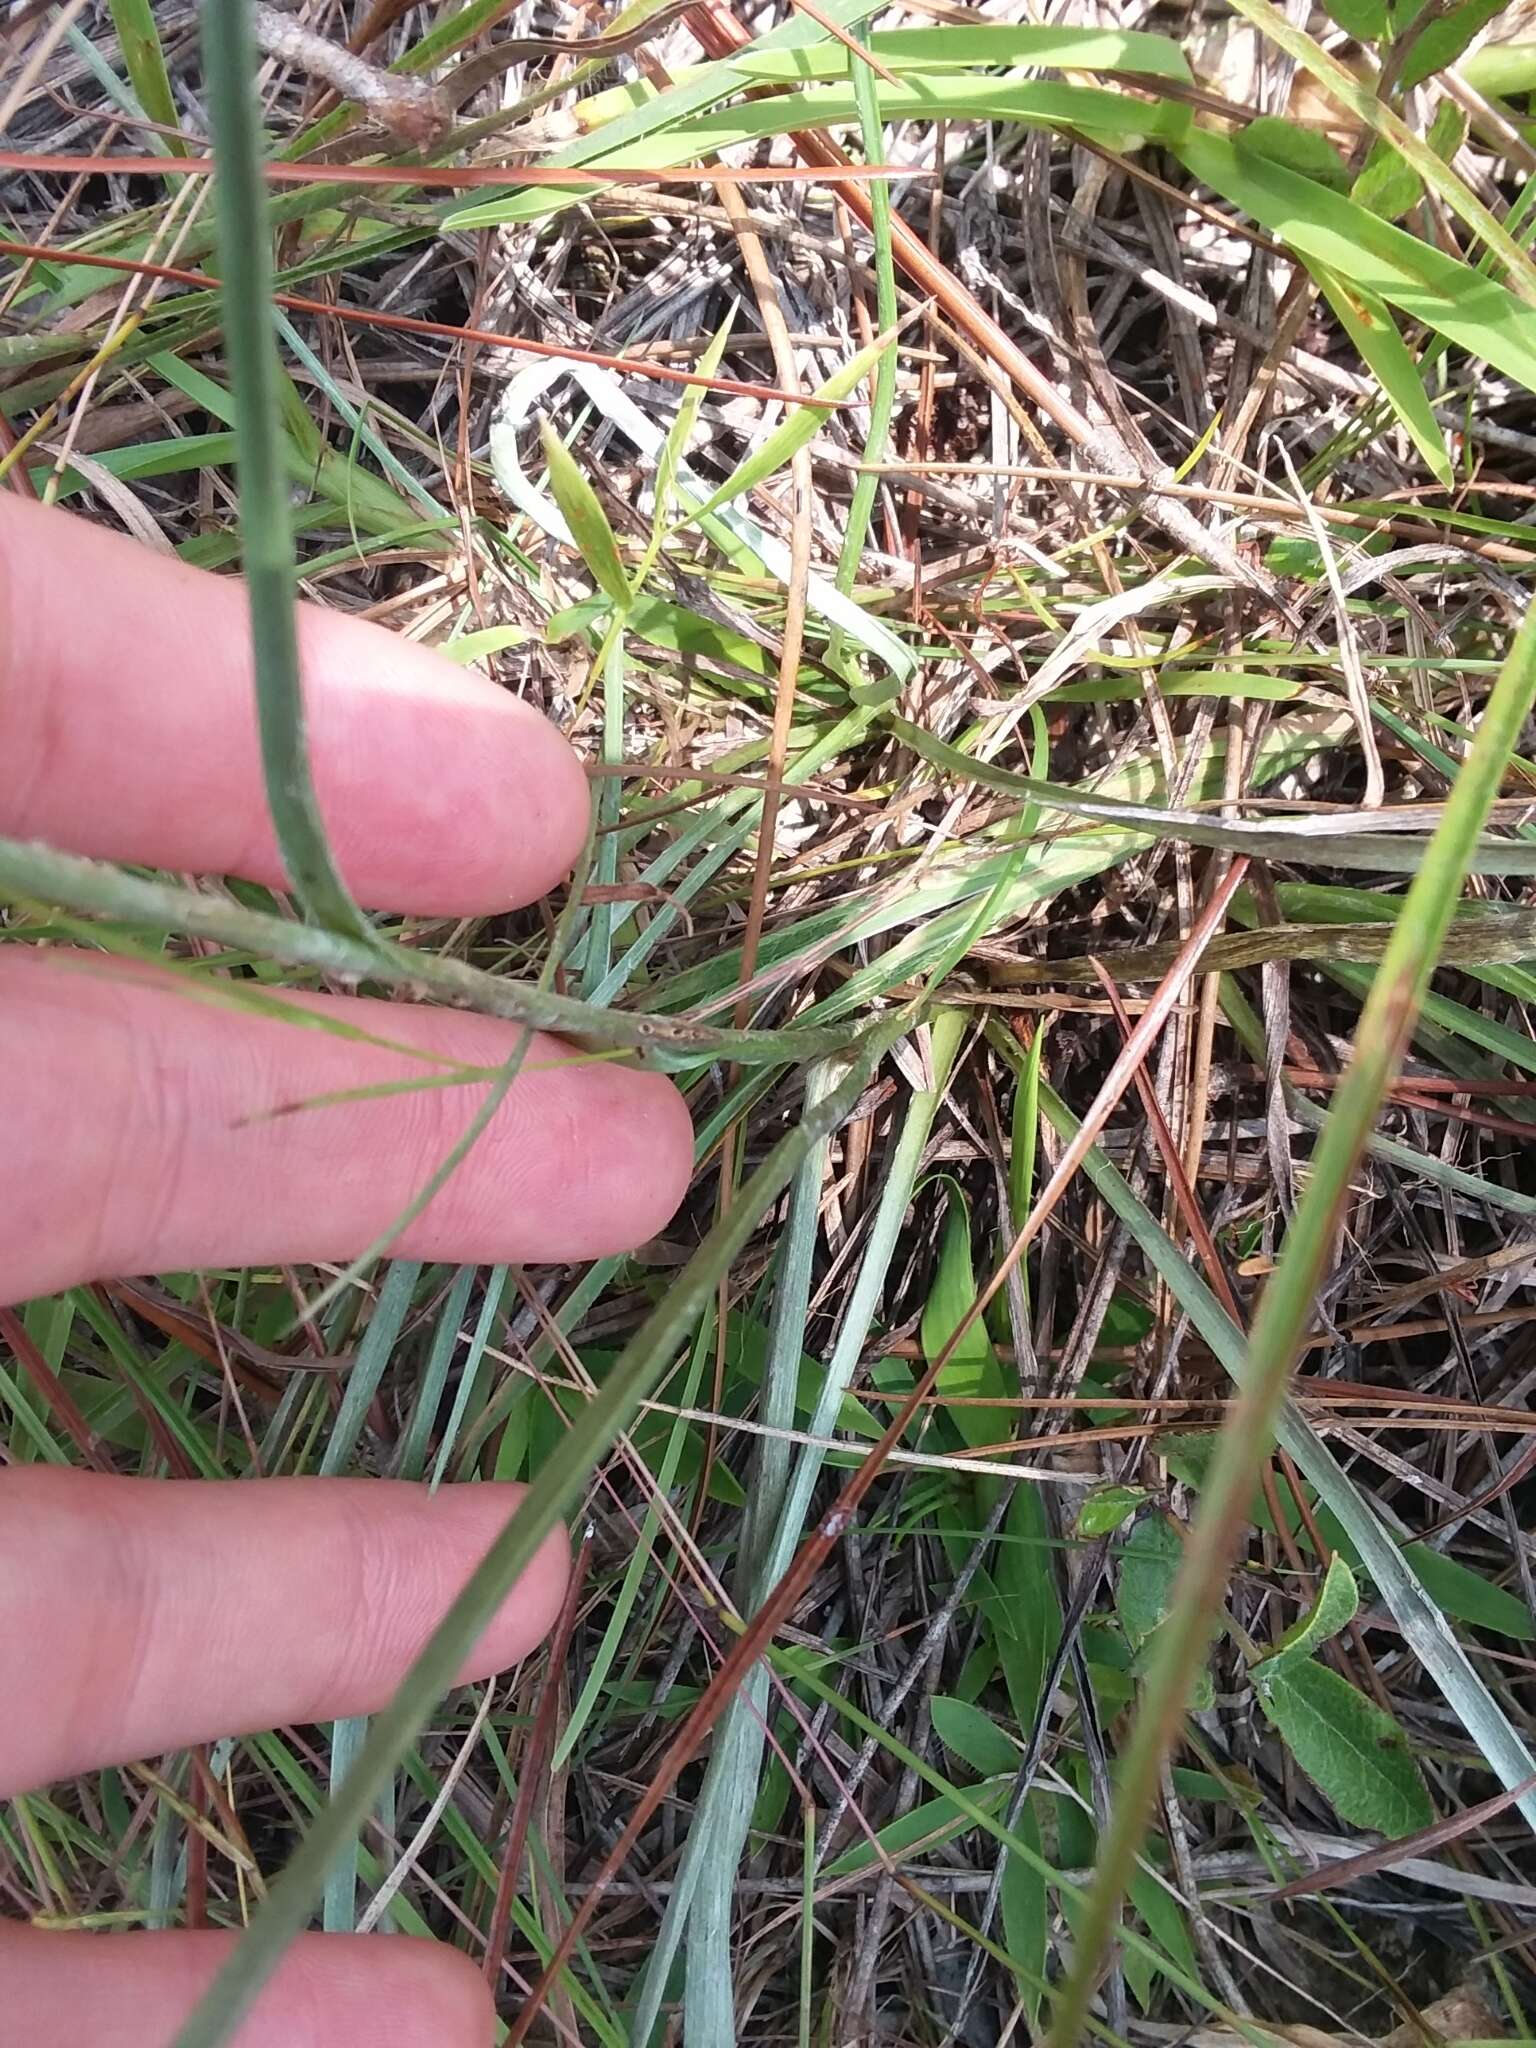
521,398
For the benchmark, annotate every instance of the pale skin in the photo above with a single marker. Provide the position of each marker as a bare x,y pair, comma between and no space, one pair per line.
138,1616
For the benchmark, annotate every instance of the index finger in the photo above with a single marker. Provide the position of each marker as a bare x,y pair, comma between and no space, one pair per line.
128,731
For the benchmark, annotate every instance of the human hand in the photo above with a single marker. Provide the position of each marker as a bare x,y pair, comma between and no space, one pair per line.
139,1616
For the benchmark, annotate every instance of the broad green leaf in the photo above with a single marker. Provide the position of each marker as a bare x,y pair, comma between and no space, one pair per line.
1351,1750
1202,1691
1336,1605
1027,1616
973,1736
1326,228
1107,1507
1163,1918
936,97
969,44
1365,20
796,432
1026,1917
1148,1566
1388,184
1441,41
1372,329
584,515
934,1822
1298,149
1455,1587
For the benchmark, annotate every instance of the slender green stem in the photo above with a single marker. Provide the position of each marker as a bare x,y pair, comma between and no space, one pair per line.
287,1908
245,250
1287,1305
37,874
887,313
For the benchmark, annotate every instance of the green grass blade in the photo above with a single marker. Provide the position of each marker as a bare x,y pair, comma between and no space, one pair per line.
795,433
887,311
144,61
1369,108
240,199
558,1485
1287,1304
1369,325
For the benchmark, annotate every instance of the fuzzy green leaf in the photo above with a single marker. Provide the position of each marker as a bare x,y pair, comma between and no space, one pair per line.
973,1736
1347,1746
1365,20
1147,1571
1107,1507
1441,41
1336,1605
1297,149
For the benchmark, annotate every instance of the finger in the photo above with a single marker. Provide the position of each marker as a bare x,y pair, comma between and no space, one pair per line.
331,1991
142,1615
128,730
129,1145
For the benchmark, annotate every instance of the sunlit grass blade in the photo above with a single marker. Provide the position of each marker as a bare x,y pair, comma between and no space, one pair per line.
1375,112
36,874
240,199
144,61
798,430
557,1486
1288,1303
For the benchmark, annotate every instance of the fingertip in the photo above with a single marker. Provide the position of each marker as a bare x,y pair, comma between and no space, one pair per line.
626,1160
442,793
472,1517
136,1990
660,1152
450,2002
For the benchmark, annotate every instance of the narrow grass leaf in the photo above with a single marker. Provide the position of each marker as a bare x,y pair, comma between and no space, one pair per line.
796,432
240,200
554,1490
1288,1302
1478,314
144,62
585,516
1366,320
968,45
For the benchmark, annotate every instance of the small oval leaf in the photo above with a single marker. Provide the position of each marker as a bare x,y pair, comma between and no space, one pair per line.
1107,1507
1347,1746
1336,1605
